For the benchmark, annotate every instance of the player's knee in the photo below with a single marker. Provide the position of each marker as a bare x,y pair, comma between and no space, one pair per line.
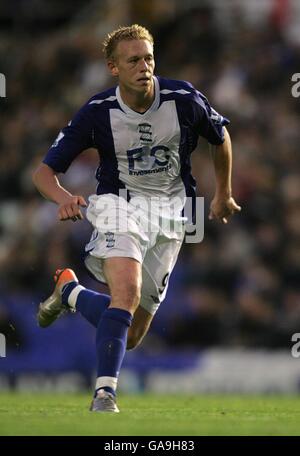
127,297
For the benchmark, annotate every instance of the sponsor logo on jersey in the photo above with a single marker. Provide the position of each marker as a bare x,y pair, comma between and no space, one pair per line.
150,171
147,160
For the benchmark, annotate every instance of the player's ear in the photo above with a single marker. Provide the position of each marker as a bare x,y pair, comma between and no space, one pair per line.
112,67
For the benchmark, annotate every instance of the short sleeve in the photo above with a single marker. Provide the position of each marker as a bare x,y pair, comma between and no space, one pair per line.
209,123
76,137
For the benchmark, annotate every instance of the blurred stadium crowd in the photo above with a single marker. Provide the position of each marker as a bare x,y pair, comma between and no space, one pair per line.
240,286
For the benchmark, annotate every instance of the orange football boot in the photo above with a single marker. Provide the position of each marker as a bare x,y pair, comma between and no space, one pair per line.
52,308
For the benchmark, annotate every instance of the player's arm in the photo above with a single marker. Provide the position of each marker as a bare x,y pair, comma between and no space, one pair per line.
47,183
223,205
76,137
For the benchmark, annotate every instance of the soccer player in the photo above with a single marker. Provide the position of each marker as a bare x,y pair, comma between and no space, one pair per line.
145,130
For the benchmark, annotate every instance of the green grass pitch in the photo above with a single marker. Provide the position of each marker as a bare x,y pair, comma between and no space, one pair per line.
145,414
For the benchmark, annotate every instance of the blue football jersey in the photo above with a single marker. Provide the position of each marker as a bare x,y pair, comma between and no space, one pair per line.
148,154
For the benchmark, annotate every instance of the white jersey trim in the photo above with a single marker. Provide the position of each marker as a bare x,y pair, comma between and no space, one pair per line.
181,91
111,98
153,107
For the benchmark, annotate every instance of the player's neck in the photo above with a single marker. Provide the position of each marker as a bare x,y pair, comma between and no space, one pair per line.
139,102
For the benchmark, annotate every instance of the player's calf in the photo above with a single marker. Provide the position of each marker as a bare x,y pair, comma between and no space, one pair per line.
140,325
133,340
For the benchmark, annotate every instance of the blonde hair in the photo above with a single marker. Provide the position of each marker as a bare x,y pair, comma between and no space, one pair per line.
133,32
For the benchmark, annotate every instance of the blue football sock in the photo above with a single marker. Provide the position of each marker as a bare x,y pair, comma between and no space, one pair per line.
90,304
111,339
66,291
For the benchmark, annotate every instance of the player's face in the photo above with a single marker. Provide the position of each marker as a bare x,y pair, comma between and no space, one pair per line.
134,65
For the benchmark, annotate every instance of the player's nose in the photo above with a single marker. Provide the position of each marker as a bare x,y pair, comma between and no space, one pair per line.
144,65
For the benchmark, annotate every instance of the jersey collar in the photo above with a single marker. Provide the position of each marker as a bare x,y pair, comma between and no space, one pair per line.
152,108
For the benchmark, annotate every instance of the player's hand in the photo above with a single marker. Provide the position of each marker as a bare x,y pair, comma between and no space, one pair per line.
69,209
221,208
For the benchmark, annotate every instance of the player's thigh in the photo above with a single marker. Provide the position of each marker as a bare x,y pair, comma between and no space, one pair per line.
124,278
140,325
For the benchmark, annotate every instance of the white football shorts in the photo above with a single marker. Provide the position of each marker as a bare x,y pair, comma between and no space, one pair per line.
120,230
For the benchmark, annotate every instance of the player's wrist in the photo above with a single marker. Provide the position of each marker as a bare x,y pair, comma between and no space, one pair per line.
223,193
65,198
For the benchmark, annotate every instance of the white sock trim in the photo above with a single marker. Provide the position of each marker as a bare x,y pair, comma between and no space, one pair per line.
106,381
72,299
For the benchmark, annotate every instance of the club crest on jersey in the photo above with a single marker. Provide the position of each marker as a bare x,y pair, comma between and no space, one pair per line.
145,132
110,239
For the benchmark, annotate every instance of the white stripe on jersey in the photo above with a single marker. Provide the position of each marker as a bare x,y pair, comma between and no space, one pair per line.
181,91
111,98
